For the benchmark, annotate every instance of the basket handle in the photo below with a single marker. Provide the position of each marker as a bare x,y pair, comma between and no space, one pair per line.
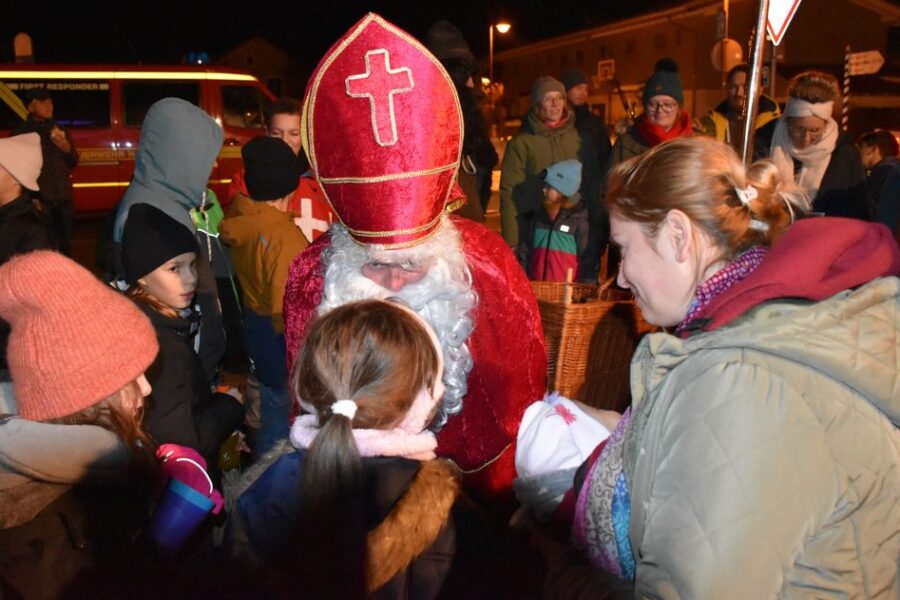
567,294
607,283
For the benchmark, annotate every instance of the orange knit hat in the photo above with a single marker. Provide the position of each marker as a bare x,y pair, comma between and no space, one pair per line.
74,341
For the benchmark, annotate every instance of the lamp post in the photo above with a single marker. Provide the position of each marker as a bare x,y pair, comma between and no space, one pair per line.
502,27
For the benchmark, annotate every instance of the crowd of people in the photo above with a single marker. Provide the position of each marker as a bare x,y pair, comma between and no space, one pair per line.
393,353
805,142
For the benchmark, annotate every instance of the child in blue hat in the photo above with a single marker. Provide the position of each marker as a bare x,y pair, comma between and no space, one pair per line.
557,238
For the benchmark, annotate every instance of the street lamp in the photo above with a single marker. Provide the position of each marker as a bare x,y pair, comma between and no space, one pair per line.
502,27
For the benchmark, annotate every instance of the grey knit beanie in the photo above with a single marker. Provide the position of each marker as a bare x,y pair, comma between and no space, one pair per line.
543,86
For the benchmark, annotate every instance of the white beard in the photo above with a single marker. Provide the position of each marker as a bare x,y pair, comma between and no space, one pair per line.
444,297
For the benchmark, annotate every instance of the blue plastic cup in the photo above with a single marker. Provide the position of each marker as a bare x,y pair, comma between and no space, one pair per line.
180,512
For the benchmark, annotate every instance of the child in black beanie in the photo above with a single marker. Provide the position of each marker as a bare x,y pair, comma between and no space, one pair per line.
159,257
263,241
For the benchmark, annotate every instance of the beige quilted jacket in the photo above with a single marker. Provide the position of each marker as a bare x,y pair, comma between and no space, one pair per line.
762,458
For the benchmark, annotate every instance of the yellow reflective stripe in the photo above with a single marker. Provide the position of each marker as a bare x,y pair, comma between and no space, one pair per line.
101,184
209,76
13,101
109,184
230,152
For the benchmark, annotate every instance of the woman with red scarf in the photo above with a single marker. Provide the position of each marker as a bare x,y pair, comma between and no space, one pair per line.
663,118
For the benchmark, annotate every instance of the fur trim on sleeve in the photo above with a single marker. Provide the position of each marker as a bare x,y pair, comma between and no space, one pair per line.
413,524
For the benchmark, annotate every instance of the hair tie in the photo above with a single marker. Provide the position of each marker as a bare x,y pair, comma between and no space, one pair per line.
345,408
746,195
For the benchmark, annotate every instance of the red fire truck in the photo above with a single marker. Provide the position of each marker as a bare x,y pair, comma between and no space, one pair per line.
104,105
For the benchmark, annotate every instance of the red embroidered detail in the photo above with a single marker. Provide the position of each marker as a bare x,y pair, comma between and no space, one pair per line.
567,415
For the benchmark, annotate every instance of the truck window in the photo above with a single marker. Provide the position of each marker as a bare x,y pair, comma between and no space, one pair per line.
139,96
76,104
243,106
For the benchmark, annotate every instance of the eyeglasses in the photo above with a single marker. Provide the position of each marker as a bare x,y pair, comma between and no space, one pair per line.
815,133
666,107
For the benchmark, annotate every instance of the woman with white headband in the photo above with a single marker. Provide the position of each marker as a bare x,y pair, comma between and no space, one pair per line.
363,507
759,458
809,148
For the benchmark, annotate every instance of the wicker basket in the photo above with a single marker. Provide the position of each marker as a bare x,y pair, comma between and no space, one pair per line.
590,340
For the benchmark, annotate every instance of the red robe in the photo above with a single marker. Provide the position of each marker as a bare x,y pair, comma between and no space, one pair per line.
507,346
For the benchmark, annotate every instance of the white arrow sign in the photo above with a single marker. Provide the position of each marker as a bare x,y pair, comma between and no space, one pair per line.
780,14
865,63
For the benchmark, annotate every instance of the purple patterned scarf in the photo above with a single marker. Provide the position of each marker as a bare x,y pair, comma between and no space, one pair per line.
721,280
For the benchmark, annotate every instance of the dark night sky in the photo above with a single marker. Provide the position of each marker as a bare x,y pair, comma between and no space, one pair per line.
162,31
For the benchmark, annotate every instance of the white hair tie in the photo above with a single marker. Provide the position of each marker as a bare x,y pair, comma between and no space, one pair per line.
746,195
346,408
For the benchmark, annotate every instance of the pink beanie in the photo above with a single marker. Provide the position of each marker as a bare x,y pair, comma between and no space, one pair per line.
74,341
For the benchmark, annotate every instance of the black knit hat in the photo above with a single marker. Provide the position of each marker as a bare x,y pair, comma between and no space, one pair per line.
445,41
150,238
664,82
573,77
272,170
36,94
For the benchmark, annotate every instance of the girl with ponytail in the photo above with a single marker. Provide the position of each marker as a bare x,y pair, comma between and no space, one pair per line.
758,458
362,507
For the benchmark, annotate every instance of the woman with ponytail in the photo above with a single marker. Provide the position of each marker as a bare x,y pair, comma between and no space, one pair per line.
759,457
363,507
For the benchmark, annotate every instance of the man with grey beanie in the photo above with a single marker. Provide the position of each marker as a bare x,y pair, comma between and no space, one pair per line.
548,136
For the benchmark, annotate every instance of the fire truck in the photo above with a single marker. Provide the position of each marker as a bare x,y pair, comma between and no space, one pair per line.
103,106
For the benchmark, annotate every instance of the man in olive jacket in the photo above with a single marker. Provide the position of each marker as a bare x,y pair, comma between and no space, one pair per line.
547,137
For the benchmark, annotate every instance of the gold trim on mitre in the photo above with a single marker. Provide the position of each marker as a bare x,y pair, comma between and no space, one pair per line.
391,177
399,245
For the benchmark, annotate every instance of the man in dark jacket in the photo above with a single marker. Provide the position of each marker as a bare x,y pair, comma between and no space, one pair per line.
449,46
59,156
879,150
587,123
22,227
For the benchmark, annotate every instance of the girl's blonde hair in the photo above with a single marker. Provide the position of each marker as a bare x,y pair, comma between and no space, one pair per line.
705,179
137,293
112,413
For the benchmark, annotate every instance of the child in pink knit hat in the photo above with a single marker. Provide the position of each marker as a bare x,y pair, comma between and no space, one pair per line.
71,495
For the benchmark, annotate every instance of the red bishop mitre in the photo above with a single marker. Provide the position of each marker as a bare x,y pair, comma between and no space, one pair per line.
383,131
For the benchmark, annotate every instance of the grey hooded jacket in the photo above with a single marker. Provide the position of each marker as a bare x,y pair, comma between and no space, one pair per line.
178,148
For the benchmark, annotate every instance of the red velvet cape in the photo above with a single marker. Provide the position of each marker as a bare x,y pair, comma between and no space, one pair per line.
507,345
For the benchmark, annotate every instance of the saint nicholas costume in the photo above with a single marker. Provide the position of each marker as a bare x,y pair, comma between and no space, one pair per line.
390,178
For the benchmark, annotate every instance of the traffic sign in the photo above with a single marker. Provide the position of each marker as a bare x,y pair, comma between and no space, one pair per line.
779,17
865,63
